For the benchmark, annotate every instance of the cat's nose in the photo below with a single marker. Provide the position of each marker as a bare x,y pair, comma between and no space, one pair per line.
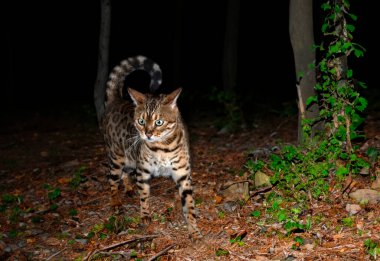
148,134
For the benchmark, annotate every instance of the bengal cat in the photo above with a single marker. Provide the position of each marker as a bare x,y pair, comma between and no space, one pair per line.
147,136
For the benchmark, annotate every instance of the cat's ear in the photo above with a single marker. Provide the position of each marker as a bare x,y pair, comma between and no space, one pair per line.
171,98
137,97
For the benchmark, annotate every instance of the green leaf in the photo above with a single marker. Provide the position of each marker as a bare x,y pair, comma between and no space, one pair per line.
334,48
361,104
342,171
221,252
350,27
362,84
54,193
353,17
356,121
349,73
256,213
332,101
311,99
299,240
282,216
325,6
103,236
358,53
324,27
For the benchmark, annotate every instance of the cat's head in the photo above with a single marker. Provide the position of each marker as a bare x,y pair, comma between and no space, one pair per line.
156,117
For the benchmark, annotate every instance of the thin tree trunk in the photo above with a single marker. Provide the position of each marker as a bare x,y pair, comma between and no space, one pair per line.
230,46
102,73
177,40
302,39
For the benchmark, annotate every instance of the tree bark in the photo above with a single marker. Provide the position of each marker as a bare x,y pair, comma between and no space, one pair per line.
103,58
302,39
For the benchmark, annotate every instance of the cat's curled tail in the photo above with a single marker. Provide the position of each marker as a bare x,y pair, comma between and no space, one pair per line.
116,79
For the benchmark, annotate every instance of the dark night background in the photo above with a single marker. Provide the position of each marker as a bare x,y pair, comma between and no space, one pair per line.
52,47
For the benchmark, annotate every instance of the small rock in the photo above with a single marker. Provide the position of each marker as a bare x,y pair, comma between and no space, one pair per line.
352,209
230,206
236,191
366,195
261,179
364,171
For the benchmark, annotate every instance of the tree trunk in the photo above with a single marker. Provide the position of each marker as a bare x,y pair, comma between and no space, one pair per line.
103,57
177,42
302,39
230,46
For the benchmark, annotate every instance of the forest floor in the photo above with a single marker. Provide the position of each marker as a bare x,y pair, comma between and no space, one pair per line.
55,200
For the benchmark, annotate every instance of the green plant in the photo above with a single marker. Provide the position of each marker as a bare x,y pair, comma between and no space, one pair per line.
255,213
11,206
348,221
237,240
78,177
221,252
73,212
233,115
53,193
372,248
298,242
198,201
340,102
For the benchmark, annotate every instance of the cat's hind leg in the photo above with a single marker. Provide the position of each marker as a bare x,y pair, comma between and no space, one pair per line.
128,170
116,165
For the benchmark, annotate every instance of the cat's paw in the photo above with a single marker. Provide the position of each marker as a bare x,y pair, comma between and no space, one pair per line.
195,234
196,237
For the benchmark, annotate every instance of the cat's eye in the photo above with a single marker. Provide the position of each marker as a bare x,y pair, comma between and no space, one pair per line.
141,121
159,122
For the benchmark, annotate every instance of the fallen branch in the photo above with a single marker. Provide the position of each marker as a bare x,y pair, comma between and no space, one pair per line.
162,252
237,182
110,247
261,190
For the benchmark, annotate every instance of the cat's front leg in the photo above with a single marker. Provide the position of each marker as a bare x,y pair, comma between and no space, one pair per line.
143,177
183,180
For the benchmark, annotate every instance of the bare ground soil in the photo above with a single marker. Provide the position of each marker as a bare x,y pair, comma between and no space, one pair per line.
55,201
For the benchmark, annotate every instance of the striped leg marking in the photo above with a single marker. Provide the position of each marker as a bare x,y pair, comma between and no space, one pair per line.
143,186
188,206
116,165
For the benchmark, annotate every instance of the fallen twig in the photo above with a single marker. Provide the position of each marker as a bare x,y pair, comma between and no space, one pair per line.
107,248
261,190
55,254
162,252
